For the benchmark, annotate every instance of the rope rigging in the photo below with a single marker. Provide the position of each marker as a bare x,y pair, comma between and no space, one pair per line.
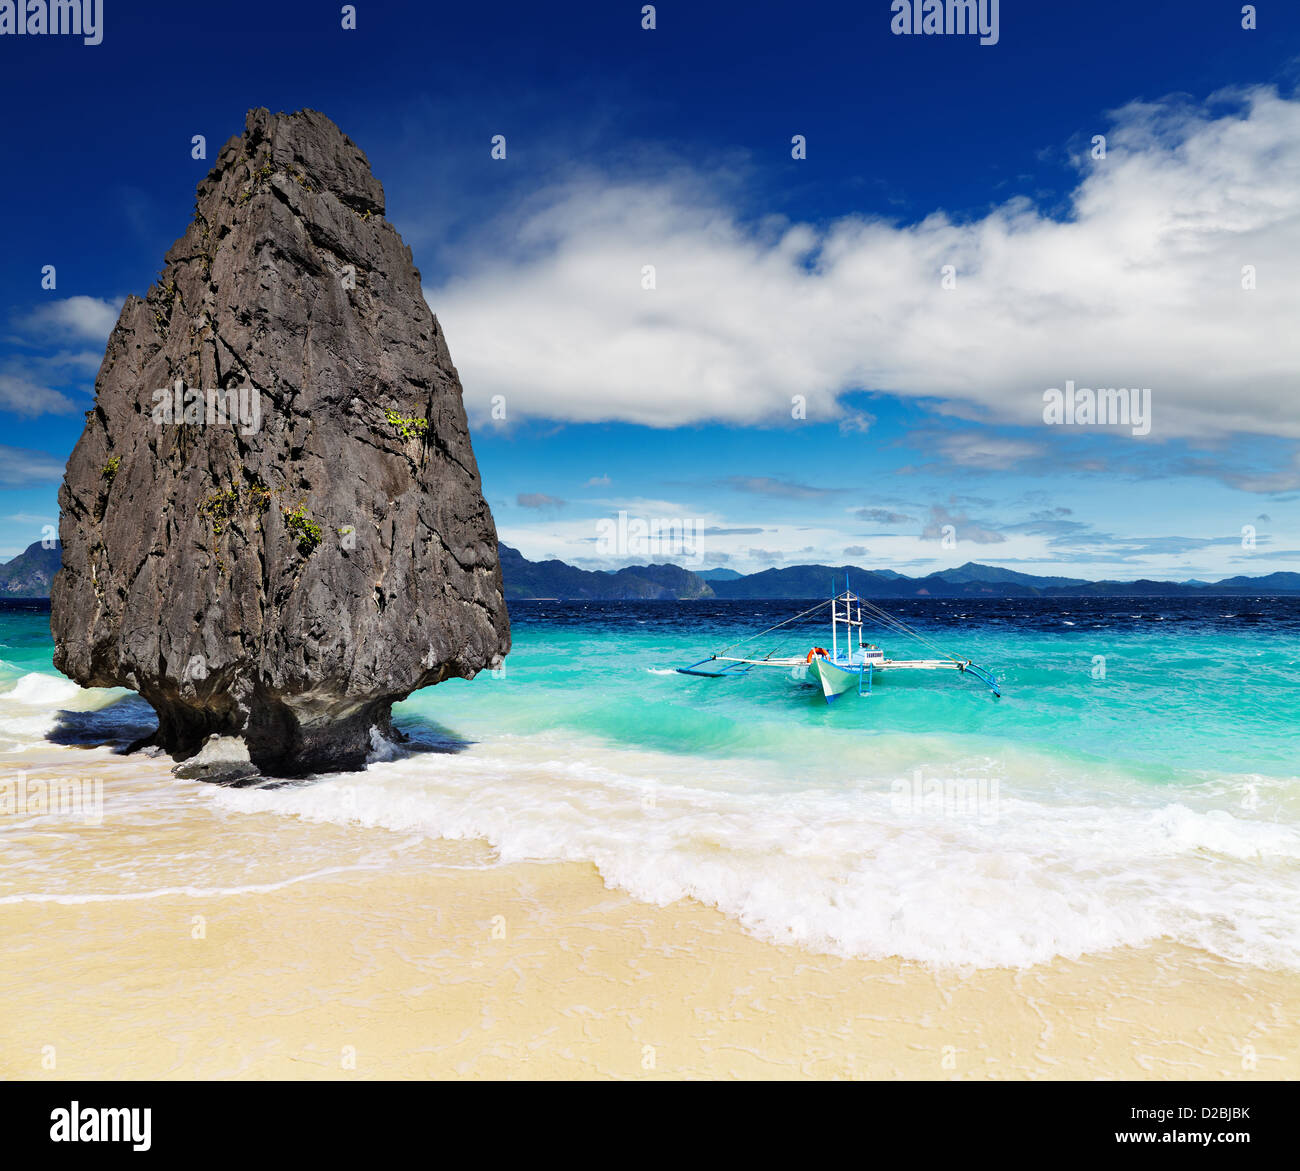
750,638
835,671
882,617
890,622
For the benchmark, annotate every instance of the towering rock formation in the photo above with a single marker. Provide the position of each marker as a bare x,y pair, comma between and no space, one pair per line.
283,576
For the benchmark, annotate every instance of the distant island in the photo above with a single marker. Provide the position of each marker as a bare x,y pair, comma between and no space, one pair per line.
29,575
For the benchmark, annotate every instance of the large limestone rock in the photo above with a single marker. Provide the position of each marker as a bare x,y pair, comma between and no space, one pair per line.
282,583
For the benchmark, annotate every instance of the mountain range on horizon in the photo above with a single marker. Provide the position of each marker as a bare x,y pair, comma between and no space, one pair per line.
30,573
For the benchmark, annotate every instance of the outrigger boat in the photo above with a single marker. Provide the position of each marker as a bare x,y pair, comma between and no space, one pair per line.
840,669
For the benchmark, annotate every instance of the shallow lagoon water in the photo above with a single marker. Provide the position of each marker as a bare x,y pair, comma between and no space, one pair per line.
1098,804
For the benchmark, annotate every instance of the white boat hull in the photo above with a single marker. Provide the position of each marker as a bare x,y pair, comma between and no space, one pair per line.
834,679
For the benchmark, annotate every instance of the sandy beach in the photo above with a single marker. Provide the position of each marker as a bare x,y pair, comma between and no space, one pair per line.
539,971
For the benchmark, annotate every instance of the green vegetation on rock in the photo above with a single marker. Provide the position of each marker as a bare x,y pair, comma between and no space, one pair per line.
222,507
306,530
408,428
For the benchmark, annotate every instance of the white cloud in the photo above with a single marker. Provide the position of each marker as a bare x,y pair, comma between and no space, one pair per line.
770,486
76,318
1141,285
978,449
86,361
960,526
24,397
1033,547
21,465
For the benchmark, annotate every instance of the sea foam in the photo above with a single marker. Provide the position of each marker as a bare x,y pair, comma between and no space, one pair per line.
37,690
840,866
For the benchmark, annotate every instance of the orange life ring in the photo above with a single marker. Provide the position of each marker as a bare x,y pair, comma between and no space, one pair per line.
818,650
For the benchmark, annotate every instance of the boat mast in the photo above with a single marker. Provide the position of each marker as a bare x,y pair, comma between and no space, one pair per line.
835,649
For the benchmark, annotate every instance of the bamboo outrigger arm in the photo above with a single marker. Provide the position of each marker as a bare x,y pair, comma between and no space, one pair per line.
838,668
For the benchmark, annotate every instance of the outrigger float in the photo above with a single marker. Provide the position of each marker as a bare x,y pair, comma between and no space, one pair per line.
840,669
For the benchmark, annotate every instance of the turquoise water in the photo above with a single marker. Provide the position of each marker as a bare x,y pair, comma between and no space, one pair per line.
1096,805
1203,687
25,642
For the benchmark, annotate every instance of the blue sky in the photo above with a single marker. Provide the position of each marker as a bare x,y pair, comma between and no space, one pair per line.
799,383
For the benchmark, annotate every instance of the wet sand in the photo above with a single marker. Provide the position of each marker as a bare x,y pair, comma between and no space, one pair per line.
539,971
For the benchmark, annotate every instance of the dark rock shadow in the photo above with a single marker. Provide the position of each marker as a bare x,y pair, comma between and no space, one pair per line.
424,735
419,736
120,725
126,723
